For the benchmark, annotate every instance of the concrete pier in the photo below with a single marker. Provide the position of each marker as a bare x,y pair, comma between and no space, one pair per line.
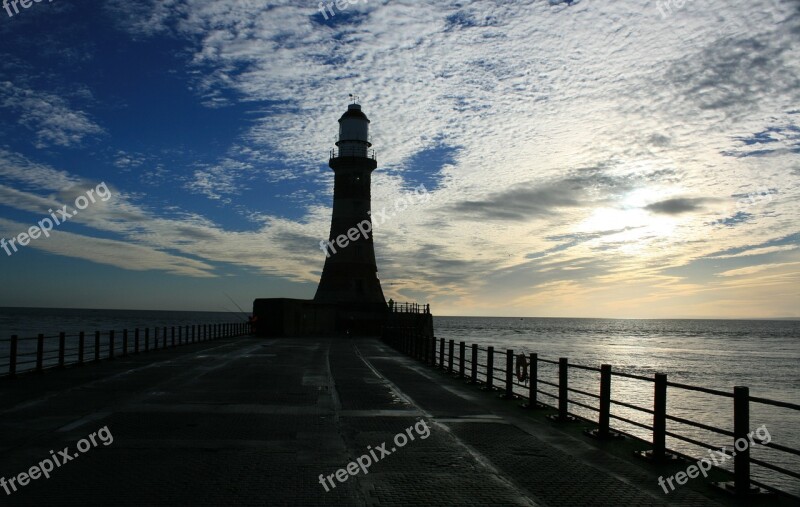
247,421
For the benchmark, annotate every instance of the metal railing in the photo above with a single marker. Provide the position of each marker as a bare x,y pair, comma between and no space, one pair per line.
352,152
409,307
45,352
468,367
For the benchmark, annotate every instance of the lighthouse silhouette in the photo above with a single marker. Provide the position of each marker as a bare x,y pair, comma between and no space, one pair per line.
349,299
349,277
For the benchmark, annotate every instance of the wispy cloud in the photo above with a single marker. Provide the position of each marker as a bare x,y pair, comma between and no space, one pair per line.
678,205
50,118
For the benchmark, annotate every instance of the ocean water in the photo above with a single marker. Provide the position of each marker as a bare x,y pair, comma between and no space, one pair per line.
29,322
716,354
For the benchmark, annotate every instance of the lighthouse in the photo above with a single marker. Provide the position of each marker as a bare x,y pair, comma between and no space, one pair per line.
349,298
349,278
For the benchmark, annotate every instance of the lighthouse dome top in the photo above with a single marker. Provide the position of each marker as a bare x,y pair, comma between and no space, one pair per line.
354,112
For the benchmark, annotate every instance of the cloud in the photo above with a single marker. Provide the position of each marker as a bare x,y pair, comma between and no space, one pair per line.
120,254
678,205
144,19
751,270
735,73
586,187
757,251
50,117
127,161
20,170
521,203
772,141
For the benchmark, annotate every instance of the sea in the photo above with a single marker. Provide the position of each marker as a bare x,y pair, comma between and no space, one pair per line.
763,355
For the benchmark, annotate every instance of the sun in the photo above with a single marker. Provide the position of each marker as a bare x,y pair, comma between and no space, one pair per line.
637,228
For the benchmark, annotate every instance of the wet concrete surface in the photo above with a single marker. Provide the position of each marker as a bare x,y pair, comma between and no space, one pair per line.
250,421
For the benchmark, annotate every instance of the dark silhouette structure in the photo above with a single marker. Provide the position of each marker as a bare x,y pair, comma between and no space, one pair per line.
350,273
349,298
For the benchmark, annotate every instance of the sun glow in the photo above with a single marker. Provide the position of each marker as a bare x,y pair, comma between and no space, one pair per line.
637,227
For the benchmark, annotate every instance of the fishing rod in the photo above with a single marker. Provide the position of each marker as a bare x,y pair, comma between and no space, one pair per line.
237,306
231,311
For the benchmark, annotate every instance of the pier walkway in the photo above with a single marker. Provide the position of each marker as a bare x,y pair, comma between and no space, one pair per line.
248,421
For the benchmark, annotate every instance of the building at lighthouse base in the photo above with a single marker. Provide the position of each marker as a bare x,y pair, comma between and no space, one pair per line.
283,317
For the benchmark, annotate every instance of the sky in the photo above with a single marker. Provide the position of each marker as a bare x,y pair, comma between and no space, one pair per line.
591,158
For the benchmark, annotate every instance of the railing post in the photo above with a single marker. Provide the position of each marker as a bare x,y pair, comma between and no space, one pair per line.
489,367
81,346
39,352
97,345
173,336
660,417
563,388
441,352
451,349
433,351
180,335
741,427
509,394
604,418
147,339
124,342
62,344
462,363
155,338
194,333
12,356
136,341
533,381
111,345
474,373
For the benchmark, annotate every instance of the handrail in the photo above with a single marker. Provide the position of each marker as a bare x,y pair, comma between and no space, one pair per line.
90,348
493,370
352,152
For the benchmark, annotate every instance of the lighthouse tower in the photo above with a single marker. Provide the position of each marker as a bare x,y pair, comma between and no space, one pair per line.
349,278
